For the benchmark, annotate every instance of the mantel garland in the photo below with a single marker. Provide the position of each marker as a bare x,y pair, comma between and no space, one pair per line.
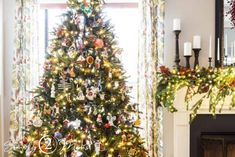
214,84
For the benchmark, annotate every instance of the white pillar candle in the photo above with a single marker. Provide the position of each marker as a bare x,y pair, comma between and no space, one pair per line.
176,24
218,50
196,42
226,45
187,49
210,48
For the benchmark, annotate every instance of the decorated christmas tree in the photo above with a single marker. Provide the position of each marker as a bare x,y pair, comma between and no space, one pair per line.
82,107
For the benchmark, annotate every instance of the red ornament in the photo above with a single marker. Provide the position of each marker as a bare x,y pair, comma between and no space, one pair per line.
24,141
107,126
99,43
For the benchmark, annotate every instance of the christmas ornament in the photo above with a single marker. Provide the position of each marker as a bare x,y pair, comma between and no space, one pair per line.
99,43
137,122
118,131
24,141
79,43
80,21
102,95
72,51
97,62
72,73
81,96
47,110
86,9
124,138
66,42
36,143
111,119
116,85
63,85
66,121
99,118
60,32
91,93
58,135
37,122
97,148
104,54
53,91
90,60
107,126
110,75
75,124
76,153
81,59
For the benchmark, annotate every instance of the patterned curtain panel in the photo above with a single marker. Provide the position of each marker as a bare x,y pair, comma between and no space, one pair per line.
150,56
25,65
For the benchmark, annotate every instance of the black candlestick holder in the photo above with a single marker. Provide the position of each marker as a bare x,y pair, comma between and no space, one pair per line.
226,60
210,62
188,61
177,55
196,54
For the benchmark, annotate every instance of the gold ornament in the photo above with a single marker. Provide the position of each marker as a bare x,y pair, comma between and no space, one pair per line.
72,73
90,60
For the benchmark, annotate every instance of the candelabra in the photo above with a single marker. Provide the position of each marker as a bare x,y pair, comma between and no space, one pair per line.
188,61
226,60
196,54
210,62
177,55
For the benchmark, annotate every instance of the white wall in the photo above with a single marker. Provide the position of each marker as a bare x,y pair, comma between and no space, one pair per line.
198,18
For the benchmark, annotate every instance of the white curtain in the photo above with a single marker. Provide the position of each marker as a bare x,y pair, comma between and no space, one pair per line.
25,65
150,55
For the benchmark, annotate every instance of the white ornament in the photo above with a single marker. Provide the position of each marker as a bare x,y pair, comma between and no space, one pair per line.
118,131
91,93
97,148
81,96
75,124
76,153
102,96
116,85
81,59
53,91
37,122
111,119
99,118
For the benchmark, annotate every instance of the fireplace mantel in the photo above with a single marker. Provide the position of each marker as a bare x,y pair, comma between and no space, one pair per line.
181,126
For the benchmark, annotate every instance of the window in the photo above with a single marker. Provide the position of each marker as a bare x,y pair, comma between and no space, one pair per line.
123,15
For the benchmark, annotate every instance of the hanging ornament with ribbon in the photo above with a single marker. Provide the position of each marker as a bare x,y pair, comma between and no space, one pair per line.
97,148
86,8
53,91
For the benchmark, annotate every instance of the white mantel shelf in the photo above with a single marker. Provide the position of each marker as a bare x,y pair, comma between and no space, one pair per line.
181,124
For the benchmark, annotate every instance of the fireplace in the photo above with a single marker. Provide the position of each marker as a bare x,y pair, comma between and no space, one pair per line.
212,137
